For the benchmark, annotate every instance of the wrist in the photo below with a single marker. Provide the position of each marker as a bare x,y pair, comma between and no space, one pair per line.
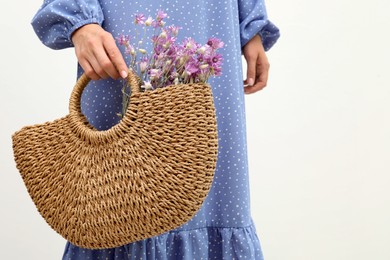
82,30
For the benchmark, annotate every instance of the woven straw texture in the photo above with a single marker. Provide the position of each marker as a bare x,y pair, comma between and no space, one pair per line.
148,174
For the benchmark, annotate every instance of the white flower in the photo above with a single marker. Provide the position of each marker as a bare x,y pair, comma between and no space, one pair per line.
149,21
147,85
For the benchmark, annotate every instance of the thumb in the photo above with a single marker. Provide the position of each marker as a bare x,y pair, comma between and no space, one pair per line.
251,71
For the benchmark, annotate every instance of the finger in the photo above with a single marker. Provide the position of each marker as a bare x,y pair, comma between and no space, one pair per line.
88,70
98,68
262,68
251,89
116,58
251,70
261,76
106,65
101,63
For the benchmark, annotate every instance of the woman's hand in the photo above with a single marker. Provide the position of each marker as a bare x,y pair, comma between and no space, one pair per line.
97,53
257,65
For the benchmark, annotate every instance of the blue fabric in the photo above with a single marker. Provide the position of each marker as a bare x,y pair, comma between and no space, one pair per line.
223,227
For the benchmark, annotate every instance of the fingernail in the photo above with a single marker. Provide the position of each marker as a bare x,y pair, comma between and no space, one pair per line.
250,82
123,74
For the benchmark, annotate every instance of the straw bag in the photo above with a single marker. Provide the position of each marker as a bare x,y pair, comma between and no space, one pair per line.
146,175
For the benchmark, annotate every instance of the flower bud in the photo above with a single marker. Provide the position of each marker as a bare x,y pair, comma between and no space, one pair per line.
143,65
163,35
202,50
149,21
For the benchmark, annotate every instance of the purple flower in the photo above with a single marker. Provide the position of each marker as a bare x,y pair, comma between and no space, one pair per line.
123,40
164,43
161,15
215,59
130,49
174,30
191,68
159,19
172,62
157,24
215,62
190,44
139,19
155,73
203,53
215,43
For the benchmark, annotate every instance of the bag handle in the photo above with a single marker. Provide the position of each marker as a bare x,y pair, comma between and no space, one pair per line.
74,104
86,131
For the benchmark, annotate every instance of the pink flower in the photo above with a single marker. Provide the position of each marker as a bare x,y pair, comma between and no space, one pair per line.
130,50
188,47
171,62
215,59
215,43
174,30
123,40
161,15
139,19
191,68
215,62
190,44
159,19
157,24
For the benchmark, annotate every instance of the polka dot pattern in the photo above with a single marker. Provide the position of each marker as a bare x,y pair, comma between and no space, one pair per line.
223,227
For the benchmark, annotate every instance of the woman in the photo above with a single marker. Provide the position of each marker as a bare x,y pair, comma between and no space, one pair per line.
223,227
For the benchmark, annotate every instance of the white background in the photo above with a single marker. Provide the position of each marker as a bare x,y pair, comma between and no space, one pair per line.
319,133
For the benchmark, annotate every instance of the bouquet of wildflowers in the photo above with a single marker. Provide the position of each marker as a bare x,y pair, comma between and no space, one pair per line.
171,62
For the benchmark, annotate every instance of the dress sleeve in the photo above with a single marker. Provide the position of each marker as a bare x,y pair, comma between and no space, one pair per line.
56,20
254,20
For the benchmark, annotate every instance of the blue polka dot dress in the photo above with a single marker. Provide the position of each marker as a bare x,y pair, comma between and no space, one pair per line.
223,227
